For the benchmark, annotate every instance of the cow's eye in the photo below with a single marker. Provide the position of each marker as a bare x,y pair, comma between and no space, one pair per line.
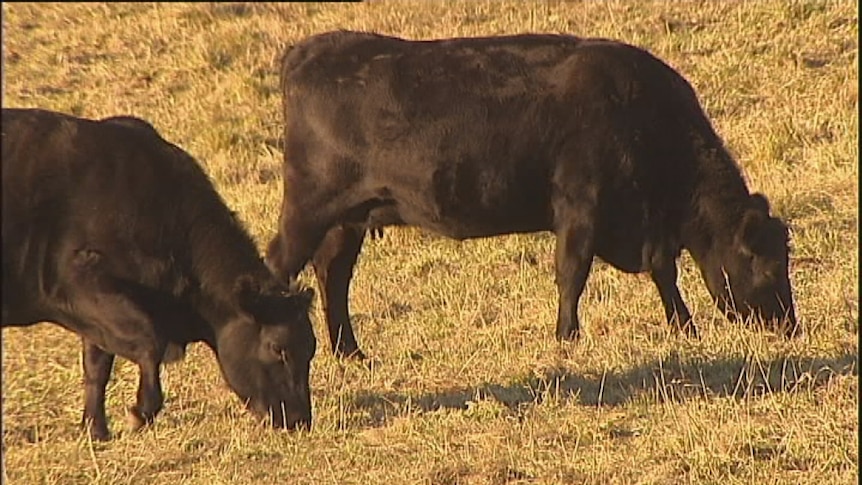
769,276
277,352
283,356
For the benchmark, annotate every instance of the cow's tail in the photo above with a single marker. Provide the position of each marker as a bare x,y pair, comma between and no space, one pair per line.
283,66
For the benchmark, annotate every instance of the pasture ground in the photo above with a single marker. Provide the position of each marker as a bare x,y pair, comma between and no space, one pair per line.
466,384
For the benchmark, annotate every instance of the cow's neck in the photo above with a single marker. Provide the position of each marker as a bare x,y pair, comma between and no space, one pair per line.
222,252
718,202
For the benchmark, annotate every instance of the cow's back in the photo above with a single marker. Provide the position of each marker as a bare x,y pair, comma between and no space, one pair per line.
472,137
462,122
113,187
36,188
86,177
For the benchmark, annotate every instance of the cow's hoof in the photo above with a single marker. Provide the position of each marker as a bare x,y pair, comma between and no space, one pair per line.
135,421
354,354
97,432
568,336
691,332
100,435
792,331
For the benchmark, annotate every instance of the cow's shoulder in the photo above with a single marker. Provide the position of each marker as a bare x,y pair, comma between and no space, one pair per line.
132,122
325,45
28,124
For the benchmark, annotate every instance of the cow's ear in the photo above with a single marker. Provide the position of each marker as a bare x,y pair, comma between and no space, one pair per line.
246,291
758,202
298,300
750,231
304,297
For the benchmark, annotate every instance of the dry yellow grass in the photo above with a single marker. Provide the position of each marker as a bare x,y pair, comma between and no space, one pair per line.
466,383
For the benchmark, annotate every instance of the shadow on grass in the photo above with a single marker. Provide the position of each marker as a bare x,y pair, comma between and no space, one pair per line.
671,379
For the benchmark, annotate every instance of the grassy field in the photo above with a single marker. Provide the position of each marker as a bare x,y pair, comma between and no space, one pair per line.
465,383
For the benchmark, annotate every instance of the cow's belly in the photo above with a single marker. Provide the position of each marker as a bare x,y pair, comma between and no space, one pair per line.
464,220
632,243
461,229
453,227
479,198
625,255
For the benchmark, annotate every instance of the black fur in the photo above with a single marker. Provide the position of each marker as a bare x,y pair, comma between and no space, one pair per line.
119,236
595,140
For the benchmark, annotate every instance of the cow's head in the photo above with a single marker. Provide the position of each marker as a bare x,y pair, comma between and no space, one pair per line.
266,351
750,278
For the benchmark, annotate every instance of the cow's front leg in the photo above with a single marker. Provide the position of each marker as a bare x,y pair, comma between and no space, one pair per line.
97,371
150,398
664,274
126,327
574,257
333,265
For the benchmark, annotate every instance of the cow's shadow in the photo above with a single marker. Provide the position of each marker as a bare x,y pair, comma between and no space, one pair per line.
671,379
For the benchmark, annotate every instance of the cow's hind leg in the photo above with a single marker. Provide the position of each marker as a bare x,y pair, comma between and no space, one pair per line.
97,371
664,274
333,265
574,257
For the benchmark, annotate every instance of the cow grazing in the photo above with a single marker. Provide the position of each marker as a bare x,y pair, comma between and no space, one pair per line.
595,140
119,236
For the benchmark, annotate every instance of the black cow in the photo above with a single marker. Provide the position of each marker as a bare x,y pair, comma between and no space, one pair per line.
595,140
119,236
